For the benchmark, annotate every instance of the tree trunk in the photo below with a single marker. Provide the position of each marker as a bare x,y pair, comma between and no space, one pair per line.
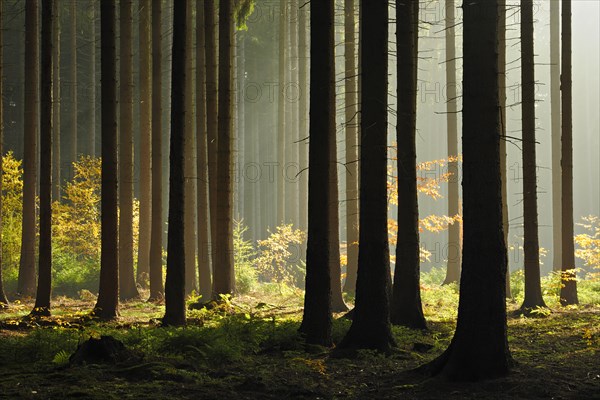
302,118
479,349
406,308
533,288
555,126
371,324
91,150
73,134
108,294
176,254
3,299
156,282
56,183
351,115
204,276
127,288
223,269
568,291
281,128
454,250
211,119
143,267
291,168
190,160
317,320
502,98
44,287
26,282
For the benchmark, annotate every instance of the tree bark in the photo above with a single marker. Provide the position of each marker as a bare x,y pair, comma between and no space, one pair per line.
371,324
479,349
223,272
281,128
3,300
176,254
91,150
56,164
303,118
108,294
317,320
568,291
44,287
454,250
406,307
73,121
555,126
156,282
143,267
26,282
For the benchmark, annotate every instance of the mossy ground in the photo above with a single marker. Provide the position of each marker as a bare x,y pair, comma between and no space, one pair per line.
249,348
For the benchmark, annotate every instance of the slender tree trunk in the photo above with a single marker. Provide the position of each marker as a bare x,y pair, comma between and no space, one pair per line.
454,250
371,324
108,294
204,275
44,287
127,288
156,282
73,121
26,281
223,282
502,108
143,267
533,288
176,254
317,320
211,118
479,349
555,126
92,122
406,308
56,191
568,291
281,128
190,159
291,169
351,115
3,299
303,118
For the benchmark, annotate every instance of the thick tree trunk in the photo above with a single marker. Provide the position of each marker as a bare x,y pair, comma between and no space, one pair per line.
156,282
281,106
317,320
555,126
303,118
533,288
223,272
479,349
3,299
108,296
204,275
568,291
143,264
406,308
211,119
44,287
190,159
127,287
26,281
454,250
56,164
371,324
176,268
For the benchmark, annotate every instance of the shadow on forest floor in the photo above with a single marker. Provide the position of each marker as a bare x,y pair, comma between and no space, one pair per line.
250,349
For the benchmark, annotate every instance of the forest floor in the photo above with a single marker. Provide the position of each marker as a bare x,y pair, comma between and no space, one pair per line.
249,348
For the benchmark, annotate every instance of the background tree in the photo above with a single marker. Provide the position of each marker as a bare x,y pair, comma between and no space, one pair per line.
127,287
145,117
568,291
316,321
44,286
108,293
156,283
281,109
351,118
72,138
555,127
204,277
3,299
175,282
223,274
454,250
479,349
303,116
26,283
56,163
533,288
406,308
371,322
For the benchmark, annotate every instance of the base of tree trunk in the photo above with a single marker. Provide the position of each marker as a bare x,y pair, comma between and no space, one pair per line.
40,312
339,306
106,350
533,310
104,315
410,320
